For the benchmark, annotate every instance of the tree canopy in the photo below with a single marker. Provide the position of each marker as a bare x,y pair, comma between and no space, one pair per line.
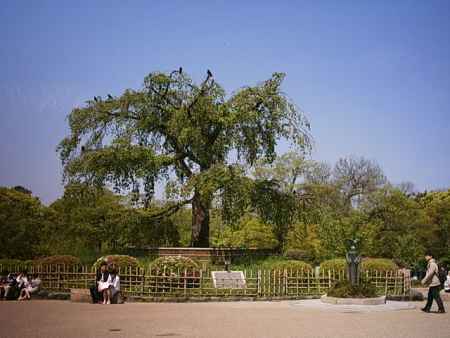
175,129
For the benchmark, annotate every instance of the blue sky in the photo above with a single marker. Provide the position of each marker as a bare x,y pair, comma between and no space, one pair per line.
373,76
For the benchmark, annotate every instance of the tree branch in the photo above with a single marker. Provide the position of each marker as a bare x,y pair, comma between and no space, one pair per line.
170,210
201,93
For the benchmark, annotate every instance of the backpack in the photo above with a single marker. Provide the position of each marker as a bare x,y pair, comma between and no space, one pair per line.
442,275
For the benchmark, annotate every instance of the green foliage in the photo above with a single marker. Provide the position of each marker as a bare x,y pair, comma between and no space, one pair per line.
88,217
7,265
408,250
22,224
378,264
304,238
336,264
343,289
394,215
182,220
437,208
142,229
287,265
251,233
119,261
58,259
174,263
91,221
7,261
298,254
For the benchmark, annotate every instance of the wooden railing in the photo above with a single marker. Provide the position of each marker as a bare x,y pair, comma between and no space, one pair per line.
151,283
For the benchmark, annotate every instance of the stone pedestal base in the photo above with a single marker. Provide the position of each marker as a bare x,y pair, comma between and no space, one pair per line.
353,301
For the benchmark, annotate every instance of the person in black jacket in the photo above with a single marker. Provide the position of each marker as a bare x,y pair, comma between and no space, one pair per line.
101,276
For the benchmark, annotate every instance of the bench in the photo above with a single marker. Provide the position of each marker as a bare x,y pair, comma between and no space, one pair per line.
84,296
80,296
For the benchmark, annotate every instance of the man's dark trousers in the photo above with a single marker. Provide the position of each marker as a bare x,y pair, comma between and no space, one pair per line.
433,293
96,296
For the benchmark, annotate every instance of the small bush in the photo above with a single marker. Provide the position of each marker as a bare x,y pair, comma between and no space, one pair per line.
58,259
174,263
378,264
119,261
343,289
337,264
175,269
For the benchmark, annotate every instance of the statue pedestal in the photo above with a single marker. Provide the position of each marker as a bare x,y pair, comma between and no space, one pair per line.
353,301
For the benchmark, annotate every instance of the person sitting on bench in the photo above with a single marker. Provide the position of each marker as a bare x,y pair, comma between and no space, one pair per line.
111,287
30,287
101,277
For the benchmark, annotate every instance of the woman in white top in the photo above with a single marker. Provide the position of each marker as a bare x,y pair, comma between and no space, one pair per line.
113,286
30,287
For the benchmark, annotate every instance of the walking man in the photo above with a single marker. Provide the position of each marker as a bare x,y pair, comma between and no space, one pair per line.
432,280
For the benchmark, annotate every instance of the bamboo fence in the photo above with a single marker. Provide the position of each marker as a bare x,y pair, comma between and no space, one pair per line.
188,283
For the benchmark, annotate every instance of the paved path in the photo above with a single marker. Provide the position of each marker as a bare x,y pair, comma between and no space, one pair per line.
317,304
49,319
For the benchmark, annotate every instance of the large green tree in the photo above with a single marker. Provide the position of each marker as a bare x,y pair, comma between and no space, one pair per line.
22,224
437,207
173,127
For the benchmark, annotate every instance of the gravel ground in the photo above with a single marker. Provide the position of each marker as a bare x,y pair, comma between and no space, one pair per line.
49,319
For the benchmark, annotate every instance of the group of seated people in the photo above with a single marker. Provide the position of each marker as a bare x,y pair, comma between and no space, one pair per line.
20,286
107,285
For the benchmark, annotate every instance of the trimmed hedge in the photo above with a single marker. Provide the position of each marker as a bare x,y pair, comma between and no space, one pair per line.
337,264
378,264
119,261
367,264
288,265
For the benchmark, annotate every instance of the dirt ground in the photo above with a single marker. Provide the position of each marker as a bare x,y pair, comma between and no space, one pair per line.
49,319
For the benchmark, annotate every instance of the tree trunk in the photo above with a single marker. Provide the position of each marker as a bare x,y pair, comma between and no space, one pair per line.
200,222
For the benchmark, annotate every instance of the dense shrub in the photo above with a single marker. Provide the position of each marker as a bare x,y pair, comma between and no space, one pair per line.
337,264
7,265
119,261
298,254
288,265
378,264
249,232
59,259
343,289
6,261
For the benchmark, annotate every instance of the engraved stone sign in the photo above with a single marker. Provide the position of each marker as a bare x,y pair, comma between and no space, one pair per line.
228,279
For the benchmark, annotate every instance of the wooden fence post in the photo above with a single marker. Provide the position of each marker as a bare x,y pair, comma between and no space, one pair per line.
395,282
185,281
386,285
